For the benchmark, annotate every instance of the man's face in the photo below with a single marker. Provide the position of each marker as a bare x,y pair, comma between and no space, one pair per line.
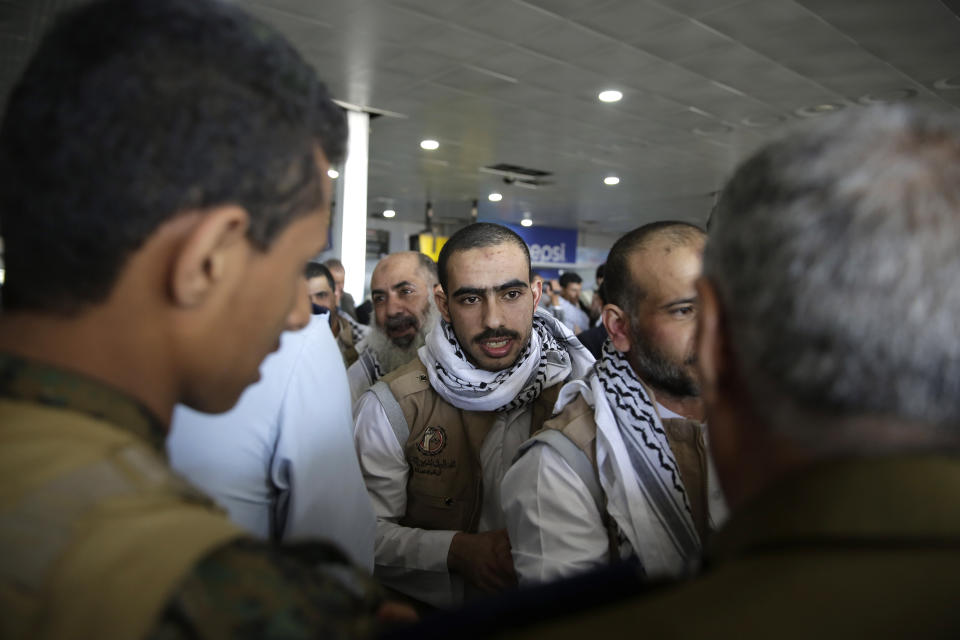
401,297
572,292
490,303
321,294
663,324
338,277
269,297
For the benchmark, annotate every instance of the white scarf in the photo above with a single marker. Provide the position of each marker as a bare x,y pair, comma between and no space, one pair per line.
638,471
551,356
357,331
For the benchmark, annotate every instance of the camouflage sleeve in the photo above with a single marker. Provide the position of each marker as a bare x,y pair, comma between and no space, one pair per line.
247,589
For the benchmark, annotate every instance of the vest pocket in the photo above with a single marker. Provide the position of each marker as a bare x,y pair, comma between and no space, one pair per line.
427,511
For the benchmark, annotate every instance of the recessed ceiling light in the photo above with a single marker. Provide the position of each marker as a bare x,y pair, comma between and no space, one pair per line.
611,180
495,197
763,120
429,145
389,213
610,95
333,173
886,97
819,109
526,222
947,83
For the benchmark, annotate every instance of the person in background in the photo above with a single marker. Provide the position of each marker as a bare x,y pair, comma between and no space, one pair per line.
436,435
402,291
594,337
565,302
282,460
345,301
348,334
154,254
607,478
596,304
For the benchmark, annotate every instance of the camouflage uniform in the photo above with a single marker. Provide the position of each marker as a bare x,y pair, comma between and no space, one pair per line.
241,589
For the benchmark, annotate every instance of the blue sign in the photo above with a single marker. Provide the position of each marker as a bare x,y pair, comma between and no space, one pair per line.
549,244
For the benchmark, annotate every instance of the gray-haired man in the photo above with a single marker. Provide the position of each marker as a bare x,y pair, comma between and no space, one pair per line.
829,354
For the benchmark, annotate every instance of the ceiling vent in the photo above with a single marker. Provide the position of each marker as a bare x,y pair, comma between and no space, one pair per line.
519,176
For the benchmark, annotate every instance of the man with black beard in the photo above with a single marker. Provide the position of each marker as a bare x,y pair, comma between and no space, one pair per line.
436,435
622,471
402,292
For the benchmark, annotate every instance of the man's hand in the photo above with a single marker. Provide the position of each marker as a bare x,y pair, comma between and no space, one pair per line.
483,559
554,292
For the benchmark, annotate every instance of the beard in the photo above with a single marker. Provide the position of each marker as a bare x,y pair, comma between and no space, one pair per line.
393,356
659,370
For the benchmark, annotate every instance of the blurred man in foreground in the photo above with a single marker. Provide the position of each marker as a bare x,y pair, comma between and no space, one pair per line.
401,288
162,185
830,368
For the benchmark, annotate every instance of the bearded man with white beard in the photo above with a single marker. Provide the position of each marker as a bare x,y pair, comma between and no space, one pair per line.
402,292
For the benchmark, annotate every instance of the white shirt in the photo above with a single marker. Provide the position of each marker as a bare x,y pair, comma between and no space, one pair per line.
414,561
282,461
555,527
572,316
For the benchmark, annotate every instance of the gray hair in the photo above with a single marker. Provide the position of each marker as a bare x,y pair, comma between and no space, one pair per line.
836,254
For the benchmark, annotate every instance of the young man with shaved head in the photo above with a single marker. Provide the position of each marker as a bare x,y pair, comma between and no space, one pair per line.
401,289
436,435
621,472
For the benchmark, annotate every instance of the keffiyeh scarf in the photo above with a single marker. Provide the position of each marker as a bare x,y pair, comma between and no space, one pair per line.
551,355
357,331
645,493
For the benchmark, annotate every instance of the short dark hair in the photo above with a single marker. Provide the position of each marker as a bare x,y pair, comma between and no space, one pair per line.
333,263
133,111
315,270
600,269
476,236
569,277
619,287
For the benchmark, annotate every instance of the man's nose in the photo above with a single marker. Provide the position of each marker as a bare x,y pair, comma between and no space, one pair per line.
492,314
299,315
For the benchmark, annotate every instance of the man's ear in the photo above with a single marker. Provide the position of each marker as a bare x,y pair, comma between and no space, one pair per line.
712,345
208,251
536,286
441,299
617,323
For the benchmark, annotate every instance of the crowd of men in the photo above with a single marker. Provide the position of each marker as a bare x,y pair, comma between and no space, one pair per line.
198,438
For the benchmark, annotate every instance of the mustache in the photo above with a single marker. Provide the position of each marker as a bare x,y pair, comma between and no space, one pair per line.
496,333
401,322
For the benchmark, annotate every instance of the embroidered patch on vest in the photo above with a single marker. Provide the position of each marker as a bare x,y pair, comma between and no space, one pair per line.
433,441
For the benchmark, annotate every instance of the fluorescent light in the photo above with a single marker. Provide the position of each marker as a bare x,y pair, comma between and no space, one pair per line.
610,95
353,212
389,213
495,197
611,180
429,145
333,173
526,222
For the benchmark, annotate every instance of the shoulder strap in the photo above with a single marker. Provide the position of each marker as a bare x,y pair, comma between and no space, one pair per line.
392,408
573,456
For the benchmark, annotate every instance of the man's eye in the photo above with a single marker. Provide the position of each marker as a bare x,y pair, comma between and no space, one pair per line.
512,295
377,299
406,292
683,311
470,300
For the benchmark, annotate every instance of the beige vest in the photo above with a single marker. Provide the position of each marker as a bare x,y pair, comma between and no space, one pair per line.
95,531
445,486
686,440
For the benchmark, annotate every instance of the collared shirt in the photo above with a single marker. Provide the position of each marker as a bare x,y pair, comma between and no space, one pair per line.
282,460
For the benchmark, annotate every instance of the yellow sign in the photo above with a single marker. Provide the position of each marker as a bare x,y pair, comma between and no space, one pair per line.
431,245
